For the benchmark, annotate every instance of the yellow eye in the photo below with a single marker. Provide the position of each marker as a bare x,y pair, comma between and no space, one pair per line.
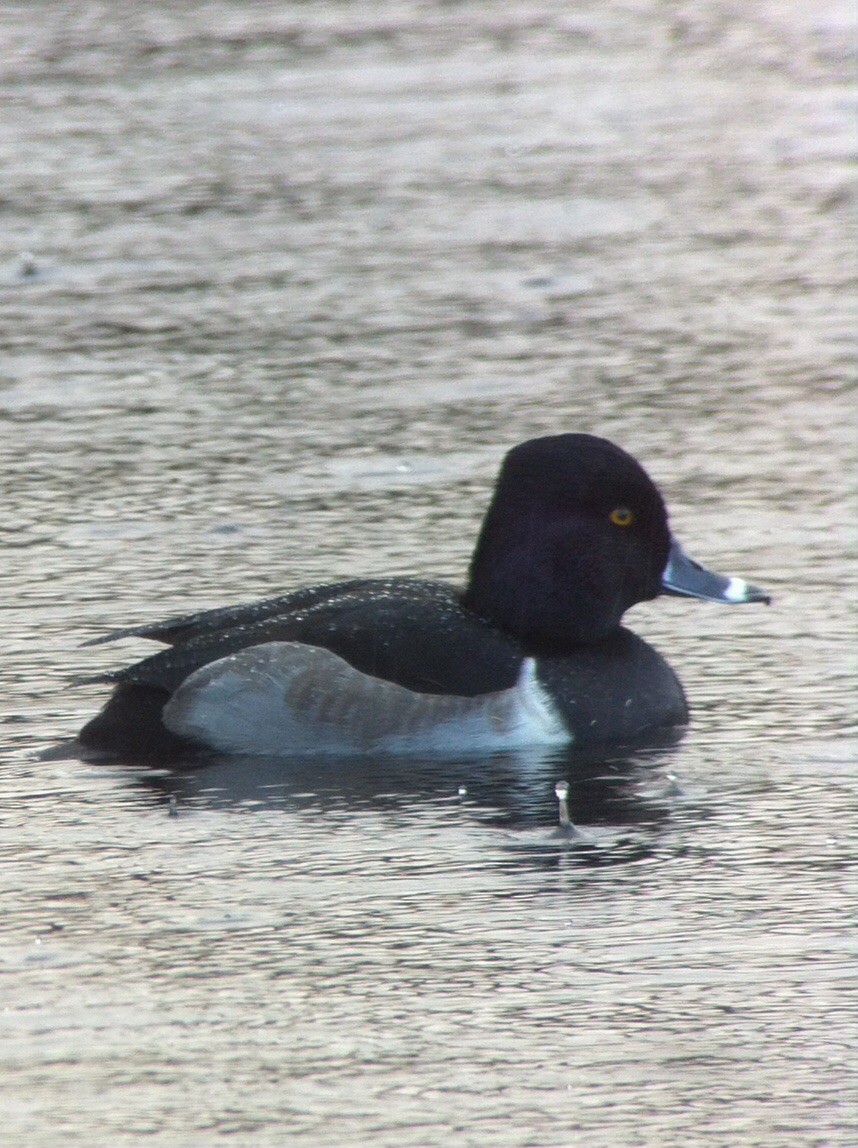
622,516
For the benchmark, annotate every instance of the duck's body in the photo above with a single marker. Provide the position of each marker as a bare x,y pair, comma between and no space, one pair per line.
576,533
412,633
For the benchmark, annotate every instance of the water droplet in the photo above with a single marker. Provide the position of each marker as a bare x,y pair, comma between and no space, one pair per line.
27,266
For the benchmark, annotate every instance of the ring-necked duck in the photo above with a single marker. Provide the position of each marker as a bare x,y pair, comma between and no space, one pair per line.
531,651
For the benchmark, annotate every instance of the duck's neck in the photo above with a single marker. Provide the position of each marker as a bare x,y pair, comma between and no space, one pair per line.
541,591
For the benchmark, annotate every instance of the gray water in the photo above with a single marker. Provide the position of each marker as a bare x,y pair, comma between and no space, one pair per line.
278,286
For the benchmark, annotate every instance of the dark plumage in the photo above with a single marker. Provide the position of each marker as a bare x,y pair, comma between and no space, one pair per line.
575,534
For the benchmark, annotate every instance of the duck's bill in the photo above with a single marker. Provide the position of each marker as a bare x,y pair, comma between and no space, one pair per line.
687,578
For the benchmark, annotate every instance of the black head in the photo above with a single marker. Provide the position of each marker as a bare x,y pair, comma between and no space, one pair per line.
576,533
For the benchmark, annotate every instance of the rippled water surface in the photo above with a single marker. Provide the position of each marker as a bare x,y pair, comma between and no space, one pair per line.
279,285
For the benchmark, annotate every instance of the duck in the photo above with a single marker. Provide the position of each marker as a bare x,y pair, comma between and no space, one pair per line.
531,651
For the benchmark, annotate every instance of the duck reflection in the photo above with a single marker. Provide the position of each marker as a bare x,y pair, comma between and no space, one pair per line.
556,793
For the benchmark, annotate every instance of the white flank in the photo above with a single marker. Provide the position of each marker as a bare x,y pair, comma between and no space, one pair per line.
290,698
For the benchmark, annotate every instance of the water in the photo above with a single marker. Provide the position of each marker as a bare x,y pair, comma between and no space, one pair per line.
278,287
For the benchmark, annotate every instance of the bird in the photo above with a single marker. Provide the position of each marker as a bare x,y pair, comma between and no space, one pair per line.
531,650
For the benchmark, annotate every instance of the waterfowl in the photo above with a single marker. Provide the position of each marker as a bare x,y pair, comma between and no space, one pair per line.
531,650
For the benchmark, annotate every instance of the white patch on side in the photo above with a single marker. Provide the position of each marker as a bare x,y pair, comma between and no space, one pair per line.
539,715
737,590
289,698
509,719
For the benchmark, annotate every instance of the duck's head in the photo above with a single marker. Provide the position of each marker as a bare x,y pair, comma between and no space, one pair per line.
576,533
